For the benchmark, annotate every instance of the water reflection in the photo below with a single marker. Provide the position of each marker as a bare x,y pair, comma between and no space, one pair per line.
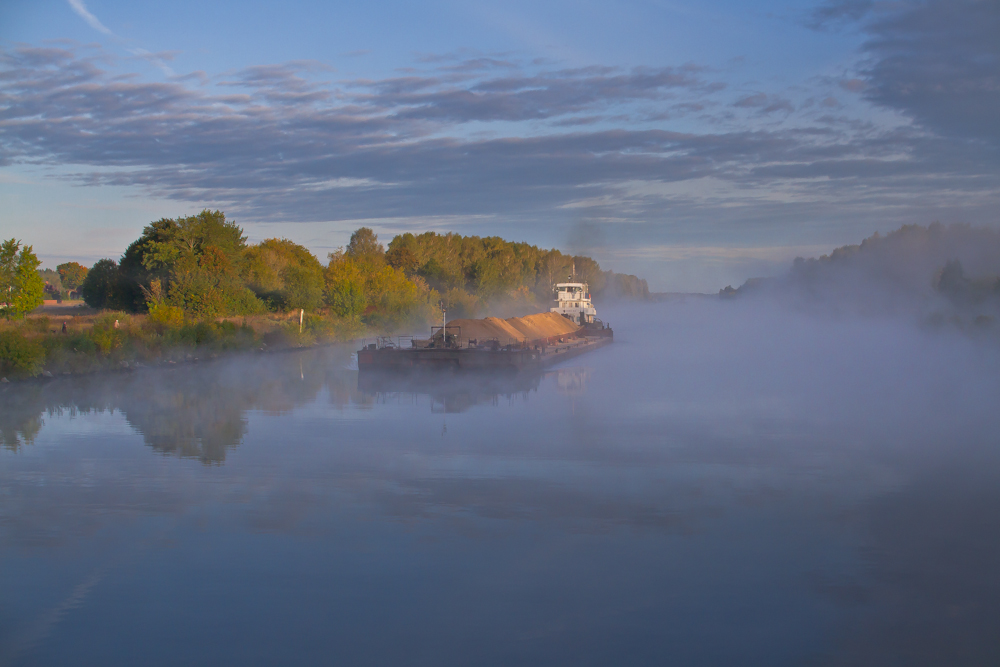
694,494
196,411
199,411
453,392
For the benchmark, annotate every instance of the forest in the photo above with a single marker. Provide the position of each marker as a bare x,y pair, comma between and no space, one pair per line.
202,267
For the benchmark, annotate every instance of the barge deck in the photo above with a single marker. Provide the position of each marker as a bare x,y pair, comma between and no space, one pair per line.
533,342
388,356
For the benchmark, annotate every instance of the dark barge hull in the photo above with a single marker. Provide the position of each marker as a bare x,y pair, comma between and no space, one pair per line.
407,360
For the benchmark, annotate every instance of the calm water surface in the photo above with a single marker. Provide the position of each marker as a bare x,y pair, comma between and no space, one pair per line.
723,486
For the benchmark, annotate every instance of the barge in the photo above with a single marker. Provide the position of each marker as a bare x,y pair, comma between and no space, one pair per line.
493,345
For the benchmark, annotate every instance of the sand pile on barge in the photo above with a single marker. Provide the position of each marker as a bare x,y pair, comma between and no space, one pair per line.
530,327
542,325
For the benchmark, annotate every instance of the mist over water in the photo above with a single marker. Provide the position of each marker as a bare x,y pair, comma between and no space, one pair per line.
728,483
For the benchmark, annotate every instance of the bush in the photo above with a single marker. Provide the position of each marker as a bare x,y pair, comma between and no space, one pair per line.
38,324
163,316
20,356
106,335
243,301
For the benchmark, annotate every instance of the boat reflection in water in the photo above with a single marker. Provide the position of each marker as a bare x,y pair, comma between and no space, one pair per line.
200,411
451,392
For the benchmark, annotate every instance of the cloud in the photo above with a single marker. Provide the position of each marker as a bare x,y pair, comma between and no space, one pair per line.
939,64
520,96
158,60
838,12
766,103
279,142
722,253
852,85
92,21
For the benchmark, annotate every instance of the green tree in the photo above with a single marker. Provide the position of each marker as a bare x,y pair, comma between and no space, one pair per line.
589,271
403,258
101,287
284,274
492,268
177,245
21,287
365,249
72,274
197,259
345,286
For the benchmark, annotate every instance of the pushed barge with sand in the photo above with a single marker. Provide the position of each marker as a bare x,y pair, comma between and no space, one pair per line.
516,344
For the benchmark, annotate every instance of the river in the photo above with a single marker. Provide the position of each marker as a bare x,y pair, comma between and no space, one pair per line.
725,485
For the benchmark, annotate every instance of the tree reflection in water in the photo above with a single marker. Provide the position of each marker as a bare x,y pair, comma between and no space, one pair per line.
199,411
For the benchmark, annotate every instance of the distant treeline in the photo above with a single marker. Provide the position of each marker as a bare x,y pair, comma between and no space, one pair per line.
201,266
939,271
470,270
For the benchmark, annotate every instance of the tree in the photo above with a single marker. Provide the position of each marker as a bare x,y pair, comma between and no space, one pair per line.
176,245
53,284
101,286
365,249
303,288
284,274
402,257
345,286
589,271
21,287
197,260
72,274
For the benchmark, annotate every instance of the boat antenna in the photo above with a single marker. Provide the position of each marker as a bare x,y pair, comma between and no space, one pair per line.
444,325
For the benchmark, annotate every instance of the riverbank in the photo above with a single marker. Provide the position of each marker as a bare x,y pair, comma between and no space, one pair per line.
44,346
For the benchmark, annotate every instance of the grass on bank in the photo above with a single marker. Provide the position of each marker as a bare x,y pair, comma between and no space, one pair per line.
39,344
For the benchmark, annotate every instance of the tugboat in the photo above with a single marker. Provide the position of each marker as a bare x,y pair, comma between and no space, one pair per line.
573,302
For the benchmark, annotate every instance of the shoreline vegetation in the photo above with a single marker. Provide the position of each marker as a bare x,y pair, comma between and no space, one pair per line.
192,288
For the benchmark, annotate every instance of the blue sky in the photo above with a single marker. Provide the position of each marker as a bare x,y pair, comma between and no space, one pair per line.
694,143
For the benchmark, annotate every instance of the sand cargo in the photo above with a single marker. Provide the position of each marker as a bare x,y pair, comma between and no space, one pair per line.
489,344
515,344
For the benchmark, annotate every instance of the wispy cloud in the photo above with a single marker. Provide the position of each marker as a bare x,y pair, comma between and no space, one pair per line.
156,59
721,253
765,103
838,12
92,21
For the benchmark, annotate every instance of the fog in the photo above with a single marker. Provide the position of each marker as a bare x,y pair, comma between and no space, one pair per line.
733,481
936,275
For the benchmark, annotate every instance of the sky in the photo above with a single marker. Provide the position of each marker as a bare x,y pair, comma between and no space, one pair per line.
695,144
